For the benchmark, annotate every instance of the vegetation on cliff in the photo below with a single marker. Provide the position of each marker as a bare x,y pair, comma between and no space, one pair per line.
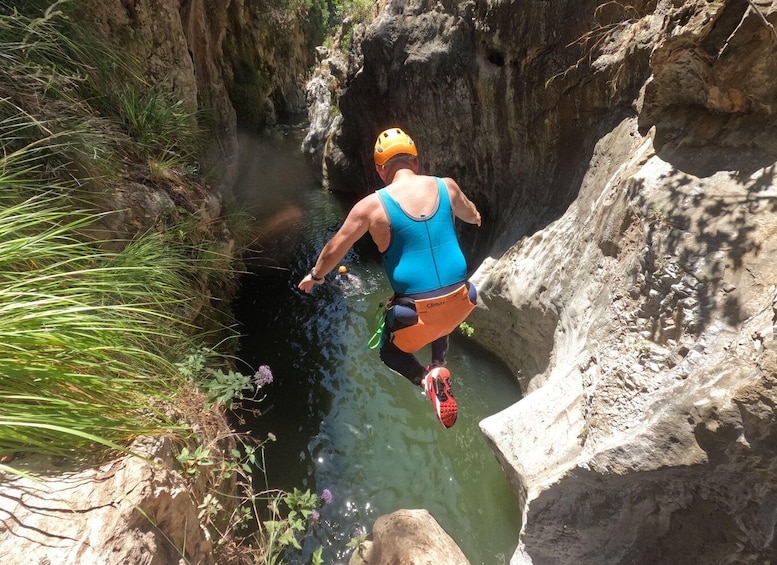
116,267
115,326
92,326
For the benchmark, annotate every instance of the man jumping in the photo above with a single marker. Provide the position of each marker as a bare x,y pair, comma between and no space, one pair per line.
411,221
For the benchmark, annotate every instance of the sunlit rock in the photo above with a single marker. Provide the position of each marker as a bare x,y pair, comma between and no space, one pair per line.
125,511
410,537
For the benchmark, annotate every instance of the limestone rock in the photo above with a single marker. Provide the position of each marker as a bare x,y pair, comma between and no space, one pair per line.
125,512
323,117
496,96
409,537
624,448
643,420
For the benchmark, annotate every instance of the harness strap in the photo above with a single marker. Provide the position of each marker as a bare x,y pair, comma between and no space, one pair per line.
380,315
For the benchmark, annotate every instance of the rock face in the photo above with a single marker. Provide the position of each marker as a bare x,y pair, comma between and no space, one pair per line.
623,157
125,511
409,537
494,97
240,62
653,407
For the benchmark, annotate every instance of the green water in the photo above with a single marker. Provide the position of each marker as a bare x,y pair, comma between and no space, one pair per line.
343,421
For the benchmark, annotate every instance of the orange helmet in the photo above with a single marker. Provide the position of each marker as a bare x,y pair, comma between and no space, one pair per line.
342,269
393,142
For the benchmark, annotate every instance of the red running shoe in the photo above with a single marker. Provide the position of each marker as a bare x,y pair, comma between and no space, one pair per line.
437,386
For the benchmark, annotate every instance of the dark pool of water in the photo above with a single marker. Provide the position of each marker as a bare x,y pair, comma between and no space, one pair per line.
342,420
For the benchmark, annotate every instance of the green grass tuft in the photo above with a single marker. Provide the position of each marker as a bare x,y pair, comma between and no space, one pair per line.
90,331
88,337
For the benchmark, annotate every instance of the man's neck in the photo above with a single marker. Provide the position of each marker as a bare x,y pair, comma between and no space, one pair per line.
402,173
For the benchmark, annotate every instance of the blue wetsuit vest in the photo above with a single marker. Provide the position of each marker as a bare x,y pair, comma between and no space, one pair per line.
423,254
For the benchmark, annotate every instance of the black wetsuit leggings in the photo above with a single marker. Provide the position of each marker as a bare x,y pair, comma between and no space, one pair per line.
406,364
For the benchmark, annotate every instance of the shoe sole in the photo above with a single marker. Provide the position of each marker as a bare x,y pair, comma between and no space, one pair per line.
446,410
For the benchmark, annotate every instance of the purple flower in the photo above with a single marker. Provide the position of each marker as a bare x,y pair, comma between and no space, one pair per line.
315,516
263,376
326,496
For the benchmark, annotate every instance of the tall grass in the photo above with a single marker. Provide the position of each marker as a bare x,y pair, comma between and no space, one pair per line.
160,126
102,341
90,331
58,78
88,338
45,89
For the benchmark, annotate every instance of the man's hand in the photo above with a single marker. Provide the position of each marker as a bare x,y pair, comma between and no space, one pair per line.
307,284
356,224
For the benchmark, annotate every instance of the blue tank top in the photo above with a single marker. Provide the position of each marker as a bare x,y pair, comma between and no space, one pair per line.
424,253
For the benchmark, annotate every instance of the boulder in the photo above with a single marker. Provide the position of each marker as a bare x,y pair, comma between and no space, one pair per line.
408,537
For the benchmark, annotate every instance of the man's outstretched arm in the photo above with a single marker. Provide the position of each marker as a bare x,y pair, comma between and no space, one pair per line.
356,224
463,207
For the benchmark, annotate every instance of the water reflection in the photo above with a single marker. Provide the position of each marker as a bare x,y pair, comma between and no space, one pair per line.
343,420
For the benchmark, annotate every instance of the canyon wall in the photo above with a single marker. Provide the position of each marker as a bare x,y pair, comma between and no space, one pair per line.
498,95
623,158
221,59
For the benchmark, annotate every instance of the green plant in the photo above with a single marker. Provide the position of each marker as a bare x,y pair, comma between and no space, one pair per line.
193,365
56,80
657,215
250,462
466,329
161,127
67,84
643,347
356,10
222,387
88,334
90,328
193,461
209,508
280,520
338,17
281,533
357,542
225,388
661,264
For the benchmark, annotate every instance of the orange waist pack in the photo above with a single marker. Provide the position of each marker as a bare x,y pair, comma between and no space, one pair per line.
437,317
